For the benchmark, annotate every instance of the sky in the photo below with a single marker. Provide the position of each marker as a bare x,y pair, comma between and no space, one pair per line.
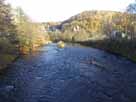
59,10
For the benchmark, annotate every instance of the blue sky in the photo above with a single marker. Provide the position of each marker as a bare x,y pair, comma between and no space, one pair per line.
58,10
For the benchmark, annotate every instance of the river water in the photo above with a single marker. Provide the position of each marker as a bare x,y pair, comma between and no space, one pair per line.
72,74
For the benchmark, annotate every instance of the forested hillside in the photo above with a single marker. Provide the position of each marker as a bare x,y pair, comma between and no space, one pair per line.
98,24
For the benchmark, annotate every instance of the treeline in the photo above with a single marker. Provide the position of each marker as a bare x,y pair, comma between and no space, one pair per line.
97,25
30,34
18,34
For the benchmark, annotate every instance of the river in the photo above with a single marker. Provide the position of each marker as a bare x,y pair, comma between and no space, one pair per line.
72,74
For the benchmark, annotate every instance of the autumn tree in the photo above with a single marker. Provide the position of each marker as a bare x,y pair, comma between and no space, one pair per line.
30,34
7,28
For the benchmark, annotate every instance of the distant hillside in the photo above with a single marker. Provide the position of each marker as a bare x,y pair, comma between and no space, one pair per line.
88,20
96,24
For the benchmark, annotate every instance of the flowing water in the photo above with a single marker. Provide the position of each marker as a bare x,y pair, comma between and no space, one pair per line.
72,74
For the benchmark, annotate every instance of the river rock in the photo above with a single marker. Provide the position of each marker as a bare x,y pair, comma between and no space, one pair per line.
61,44
9,88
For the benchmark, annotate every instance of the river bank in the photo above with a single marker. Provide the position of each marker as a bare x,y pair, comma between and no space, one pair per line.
124,48
8,58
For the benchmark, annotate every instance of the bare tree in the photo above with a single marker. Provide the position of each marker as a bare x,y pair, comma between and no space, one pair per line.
132,8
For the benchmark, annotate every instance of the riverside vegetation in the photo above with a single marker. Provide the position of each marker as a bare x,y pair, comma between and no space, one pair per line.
18,34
